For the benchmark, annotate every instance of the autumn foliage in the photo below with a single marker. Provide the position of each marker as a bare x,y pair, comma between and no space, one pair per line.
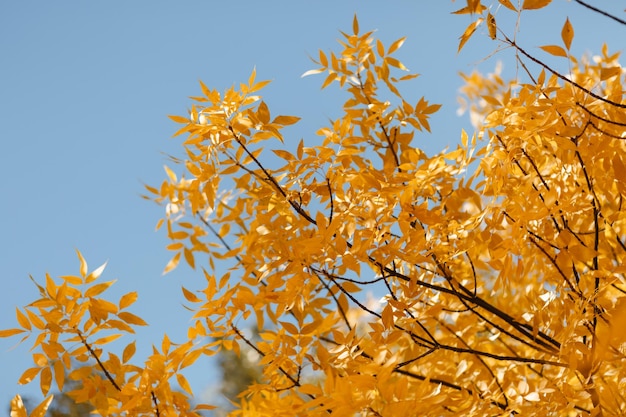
499,264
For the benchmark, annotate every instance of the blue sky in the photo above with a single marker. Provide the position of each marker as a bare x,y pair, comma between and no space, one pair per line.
86,90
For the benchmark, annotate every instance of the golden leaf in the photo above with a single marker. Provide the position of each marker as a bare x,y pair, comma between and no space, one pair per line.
554,50
59,374
83,264
131,318
535,4
42,408
98,289
508,4
22,320
45,380
182,382
17,407
189,296
172,264
491,25
129,352
567,34
127,299
10,332
469,31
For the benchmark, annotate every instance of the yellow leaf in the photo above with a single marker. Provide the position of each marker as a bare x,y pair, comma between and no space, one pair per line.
535,4
83,264
508,4
312,72
329,79
355,25
22,320
42,408
310,389
567,34
290,327
263,113
606,73
491,25
396,45
45,380
35,320
252,77
131,318
310,328
107,339
173,263
554,50
98,289
182,382
180,119
129,352
205,407
191,297
28,375
95,274
469,31
387,316
59,374
171,175
17,407
610,333
286,120
72,279
51,287
127,299
189,258
10,332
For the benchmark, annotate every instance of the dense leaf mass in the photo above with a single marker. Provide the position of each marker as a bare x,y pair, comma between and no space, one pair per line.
484,280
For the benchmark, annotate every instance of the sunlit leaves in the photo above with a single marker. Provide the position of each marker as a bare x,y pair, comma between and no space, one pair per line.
486,279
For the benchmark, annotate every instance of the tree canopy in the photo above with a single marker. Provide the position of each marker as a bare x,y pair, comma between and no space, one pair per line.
487,279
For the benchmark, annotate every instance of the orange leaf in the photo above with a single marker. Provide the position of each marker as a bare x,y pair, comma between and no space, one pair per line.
28,375
129,351
567,33
469,31
98,289
535,4
554,50
173,263
59,374
22,320
10,332
508,4
263,113
17,407
130,318
182,382
127,299
45,380
491,25
42,408
191,297
180,119
83,264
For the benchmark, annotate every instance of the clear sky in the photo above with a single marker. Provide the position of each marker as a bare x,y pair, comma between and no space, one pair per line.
85,90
